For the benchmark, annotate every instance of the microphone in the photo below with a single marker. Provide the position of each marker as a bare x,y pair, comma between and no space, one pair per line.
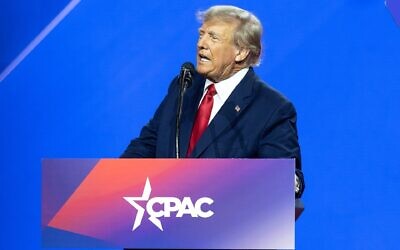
186,75
185,81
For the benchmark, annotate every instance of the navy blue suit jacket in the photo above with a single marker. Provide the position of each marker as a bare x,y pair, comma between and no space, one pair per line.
256,121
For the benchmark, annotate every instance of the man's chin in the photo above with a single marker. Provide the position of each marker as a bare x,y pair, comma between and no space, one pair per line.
202,68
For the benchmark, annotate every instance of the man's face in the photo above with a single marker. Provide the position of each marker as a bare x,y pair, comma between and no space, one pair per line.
216,51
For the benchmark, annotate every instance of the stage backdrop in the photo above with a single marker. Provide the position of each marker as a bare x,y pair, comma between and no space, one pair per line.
87,88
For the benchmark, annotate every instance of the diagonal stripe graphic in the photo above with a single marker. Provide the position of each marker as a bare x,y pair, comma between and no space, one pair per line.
35,42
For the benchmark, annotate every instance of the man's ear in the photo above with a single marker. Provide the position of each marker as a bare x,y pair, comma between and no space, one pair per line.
241,54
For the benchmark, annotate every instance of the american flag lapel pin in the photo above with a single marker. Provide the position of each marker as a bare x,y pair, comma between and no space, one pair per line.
237,108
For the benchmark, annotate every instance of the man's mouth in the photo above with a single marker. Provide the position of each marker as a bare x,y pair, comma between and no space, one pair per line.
204,58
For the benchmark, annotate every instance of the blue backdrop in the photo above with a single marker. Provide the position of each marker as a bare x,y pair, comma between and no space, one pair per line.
87,89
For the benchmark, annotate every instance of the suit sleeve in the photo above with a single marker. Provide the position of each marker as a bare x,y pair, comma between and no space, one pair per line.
145,145
280,140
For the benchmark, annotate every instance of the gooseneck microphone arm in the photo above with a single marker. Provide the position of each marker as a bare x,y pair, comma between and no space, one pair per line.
185,80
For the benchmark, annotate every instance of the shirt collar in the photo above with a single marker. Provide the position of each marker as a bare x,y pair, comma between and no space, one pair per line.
224,88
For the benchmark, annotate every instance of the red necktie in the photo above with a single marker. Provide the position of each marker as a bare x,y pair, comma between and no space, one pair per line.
202,117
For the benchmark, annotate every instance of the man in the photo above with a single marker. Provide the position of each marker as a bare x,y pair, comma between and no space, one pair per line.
228,112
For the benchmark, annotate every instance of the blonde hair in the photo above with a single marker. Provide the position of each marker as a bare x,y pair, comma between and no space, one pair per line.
248,32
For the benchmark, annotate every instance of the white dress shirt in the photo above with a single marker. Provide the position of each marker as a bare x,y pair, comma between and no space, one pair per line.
224,89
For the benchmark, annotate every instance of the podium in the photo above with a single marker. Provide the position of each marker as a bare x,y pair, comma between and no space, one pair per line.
169,203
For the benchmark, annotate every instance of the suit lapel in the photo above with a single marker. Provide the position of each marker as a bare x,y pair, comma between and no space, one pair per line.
237,102
190,103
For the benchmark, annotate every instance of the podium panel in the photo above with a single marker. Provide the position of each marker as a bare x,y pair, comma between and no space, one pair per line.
168,203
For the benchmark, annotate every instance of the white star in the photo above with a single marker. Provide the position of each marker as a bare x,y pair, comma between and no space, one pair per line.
140,210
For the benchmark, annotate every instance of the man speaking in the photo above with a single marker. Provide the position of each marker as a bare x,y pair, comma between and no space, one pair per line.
226,110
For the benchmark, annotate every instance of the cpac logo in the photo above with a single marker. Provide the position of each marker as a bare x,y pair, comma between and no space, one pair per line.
170,205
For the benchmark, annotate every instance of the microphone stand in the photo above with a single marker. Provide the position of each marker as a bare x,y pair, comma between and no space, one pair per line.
186,76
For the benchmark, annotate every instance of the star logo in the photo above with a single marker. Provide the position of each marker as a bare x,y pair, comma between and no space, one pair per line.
140,210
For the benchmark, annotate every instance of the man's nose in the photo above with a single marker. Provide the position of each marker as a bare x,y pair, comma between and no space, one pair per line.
202,43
